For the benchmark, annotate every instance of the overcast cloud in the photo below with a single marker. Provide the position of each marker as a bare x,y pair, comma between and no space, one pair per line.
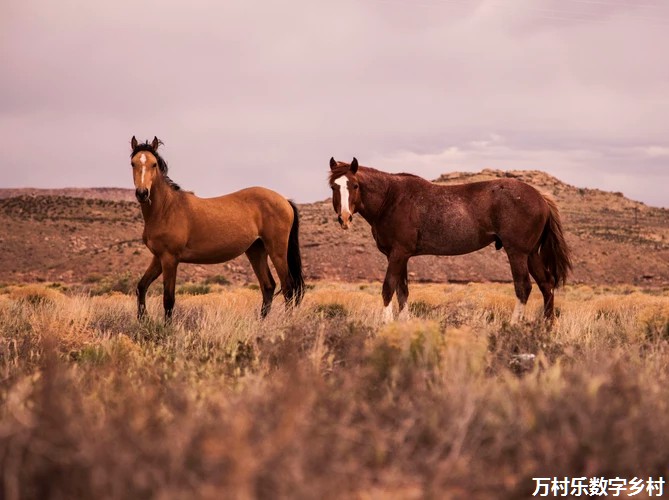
250,92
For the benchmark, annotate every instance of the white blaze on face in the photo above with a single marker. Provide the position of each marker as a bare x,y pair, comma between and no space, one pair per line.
143,160
342,182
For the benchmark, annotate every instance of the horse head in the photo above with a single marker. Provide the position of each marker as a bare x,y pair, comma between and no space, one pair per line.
345,190
146,166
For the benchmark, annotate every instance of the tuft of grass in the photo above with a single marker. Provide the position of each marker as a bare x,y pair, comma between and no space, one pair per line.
217,279
194,289
35,295
332,310
95,355
93,278
124,283
654,323
422,309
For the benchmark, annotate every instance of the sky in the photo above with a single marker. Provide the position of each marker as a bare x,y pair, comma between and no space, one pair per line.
250,92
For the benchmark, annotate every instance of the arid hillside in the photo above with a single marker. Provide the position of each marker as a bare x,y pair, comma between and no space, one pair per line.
80,235
102,193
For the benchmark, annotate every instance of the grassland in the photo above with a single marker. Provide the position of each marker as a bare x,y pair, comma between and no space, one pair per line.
326,401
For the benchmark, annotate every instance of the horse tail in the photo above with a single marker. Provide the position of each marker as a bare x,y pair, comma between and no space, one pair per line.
555,253
295,259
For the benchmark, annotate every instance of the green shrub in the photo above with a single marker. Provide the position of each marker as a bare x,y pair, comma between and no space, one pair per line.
217,279
422,309
125,283
332,310
194,289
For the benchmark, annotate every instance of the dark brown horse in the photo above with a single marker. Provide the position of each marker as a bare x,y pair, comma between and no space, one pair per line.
411,216
180,227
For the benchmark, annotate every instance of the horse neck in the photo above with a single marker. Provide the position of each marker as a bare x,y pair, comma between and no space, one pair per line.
162,197
375,187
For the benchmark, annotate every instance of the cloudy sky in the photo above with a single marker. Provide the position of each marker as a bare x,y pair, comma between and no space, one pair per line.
250,92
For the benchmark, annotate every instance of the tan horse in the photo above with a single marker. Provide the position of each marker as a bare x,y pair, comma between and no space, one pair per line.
180,227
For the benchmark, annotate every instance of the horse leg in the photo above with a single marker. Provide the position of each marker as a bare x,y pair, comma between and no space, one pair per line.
169,264
149,277
279,256
257,255
521,283
545,281
396,263
403,293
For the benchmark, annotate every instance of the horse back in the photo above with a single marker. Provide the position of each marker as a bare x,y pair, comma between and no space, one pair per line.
461,218
253,207
223,227
491,202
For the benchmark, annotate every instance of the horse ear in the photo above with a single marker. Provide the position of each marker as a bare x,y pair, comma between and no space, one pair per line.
155,143
333,163
354,165
133,142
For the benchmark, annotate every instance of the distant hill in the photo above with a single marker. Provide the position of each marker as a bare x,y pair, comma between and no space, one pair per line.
79,235
103,193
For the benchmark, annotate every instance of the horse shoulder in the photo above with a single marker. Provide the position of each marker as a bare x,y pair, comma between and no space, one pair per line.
398,225
170,232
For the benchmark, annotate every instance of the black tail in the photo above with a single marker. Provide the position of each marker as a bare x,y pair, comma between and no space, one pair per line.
555,253
295,260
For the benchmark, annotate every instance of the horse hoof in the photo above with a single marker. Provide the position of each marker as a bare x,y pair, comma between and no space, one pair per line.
387,314
404,315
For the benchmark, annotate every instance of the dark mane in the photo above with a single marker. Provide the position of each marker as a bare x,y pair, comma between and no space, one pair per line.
162,164
338,171
391,174
342,168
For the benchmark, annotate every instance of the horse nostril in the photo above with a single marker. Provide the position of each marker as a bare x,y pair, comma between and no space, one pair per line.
350,218
142,194
341,221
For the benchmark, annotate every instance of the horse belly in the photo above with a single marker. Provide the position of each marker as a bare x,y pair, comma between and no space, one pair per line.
448,239
211,256
213,247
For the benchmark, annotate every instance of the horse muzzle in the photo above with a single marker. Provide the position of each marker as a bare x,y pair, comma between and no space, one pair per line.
142,195
345,221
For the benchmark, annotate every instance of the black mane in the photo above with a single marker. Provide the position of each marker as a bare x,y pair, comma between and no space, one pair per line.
341,168
338,171
162,164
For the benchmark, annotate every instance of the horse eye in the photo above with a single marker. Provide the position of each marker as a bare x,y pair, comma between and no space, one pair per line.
355,186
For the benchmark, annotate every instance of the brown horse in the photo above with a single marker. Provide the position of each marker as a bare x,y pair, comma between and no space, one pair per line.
180,227
412,216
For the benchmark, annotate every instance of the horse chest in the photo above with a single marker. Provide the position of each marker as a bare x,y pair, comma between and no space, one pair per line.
152,243
159,242
383,242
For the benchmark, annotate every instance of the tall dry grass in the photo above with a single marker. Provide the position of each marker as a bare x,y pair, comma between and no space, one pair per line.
326,401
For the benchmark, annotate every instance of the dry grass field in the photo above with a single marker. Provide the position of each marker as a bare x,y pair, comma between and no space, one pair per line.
327,402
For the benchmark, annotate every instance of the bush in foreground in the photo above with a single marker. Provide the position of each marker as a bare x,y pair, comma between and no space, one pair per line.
320,405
